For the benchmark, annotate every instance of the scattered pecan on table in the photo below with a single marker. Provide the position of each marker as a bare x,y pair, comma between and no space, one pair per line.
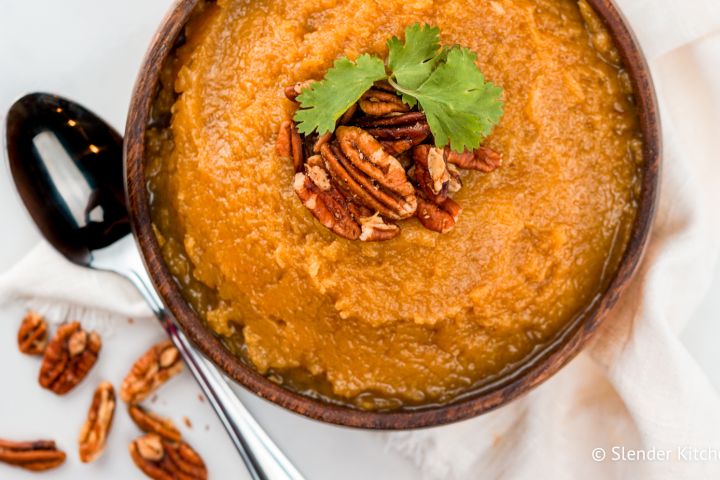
32,334
377,168
161,459
37,455
155,367
96,428
150,422
68,358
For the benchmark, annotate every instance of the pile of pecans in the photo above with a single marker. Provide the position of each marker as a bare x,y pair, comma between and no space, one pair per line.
67,359
160,453
378,167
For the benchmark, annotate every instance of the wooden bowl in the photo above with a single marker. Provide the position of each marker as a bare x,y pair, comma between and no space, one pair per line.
534,371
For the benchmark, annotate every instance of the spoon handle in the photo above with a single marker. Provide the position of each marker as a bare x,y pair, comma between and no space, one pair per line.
263,458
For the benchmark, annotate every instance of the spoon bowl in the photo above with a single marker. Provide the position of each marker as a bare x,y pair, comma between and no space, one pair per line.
67,166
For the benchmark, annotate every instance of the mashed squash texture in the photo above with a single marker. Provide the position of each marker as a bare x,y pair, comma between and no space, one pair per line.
424,317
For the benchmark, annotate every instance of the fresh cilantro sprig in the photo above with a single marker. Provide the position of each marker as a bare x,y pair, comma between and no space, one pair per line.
325,101
412,62
460,106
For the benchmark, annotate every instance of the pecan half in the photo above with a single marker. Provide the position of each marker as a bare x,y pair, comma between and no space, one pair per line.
150,422
374,229
368,156
438,170
455,183
37,456
403,119
155,367
377,102
68,358
32,335
483,159
431,173
384,85
361,189
293,91
283,145
163,460
397,133
346,117
290,144
320,141
97,426
438,218
327,204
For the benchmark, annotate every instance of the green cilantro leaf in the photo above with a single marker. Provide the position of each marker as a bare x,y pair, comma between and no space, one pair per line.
412,62
461,108
325,101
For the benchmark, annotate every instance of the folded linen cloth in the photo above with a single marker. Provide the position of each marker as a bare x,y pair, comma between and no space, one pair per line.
635,387
45,281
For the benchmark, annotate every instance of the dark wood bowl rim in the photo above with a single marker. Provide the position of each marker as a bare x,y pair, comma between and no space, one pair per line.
469,406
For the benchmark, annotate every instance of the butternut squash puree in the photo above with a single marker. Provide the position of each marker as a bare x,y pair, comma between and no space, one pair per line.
424,317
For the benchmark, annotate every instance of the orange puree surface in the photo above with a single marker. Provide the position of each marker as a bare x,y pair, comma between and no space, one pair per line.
426,316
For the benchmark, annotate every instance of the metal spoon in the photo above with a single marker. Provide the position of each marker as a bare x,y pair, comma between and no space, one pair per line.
67,166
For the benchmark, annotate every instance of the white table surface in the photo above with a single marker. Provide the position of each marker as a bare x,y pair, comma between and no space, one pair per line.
90,51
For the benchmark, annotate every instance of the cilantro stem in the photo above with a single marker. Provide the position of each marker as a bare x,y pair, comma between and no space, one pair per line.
400,89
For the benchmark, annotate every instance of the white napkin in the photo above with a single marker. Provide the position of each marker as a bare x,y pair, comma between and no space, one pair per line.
635,387
46,282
